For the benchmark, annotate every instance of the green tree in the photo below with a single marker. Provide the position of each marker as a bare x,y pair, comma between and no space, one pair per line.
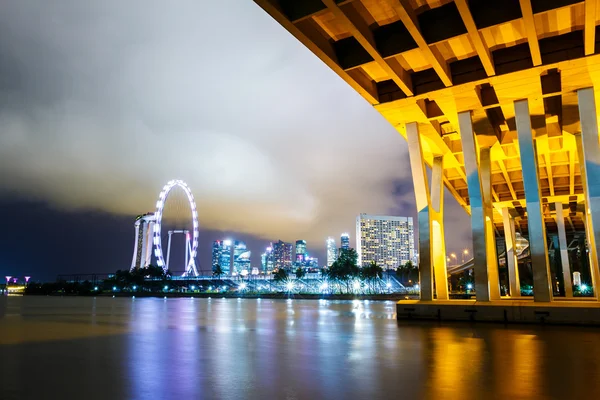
371,273
218,271
154,272
401,273
345,268
300,273
280,276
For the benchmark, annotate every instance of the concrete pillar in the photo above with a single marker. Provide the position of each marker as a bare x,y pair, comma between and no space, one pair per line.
485,166
511,253
564,250
430,218
589,160
542,290
438,242
479,185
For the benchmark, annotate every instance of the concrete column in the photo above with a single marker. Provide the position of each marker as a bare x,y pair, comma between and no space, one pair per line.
511,253
486,284
564,251
431,228
542,290
485,166
437,237
589,160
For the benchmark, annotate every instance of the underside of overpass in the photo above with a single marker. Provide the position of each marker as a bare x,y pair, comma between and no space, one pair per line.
498,99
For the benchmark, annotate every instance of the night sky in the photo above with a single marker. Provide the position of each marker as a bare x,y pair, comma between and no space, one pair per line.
103,102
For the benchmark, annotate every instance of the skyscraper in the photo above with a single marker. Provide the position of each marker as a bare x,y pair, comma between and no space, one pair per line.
331,251
241,257
221,255
300,252
267,260
389,241
282,253
345,241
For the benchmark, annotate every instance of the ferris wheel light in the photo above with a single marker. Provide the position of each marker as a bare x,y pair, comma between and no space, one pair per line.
191,266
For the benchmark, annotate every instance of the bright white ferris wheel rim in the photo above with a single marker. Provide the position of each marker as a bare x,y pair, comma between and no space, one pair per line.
160,204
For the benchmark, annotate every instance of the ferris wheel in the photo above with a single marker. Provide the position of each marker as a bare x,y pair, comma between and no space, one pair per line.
191,242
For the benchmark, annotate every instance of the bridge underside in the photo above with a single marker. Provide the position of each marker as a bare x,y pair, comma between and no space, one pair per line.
497,98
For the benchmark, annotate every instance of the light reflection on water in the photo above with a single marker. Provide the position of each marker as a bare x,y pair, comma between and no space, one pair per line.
270,349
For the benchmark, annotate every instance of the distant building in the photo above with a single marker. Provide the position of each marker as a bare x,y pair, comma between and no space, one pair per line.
300,252
311,262
142,247
282,254
268,260
331,251
387,240
241,258
221,255
345,241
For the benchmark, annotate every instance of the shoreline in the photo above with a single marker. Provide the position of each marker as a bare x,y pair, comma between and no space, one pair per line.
273,296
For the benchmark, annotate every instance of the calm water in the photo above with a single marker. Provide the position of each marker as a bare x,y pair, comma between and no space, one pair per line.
105,348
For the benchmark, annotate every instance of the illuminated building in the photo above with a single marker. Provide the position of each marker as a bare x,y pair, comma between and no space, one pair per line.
345,241
387,240
221,255
282,253
268,260
142,248
311,262
300,252
241,257
331,251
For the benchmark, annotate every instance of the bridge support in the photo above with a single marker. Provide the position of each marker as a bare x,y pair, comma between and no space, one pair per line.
480,192
511,253
542,290
589,161
564,252
430,207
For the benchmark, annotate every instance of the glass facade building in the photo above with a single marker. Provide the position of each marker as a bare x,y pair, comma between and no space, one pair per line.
221,255
282,253
331,251
345,241
300,252
387,240
268,260
241,258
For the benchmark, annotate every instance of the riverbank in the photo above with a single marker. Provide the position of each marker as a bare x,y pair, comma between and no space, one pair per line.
284,296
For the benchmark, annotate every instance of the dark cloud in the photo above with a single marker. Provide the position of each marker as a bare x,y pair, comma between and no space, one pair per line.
101,102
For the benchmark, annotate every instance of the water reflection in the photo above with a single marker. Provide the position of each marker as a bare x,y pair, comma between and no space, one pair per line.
269,349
